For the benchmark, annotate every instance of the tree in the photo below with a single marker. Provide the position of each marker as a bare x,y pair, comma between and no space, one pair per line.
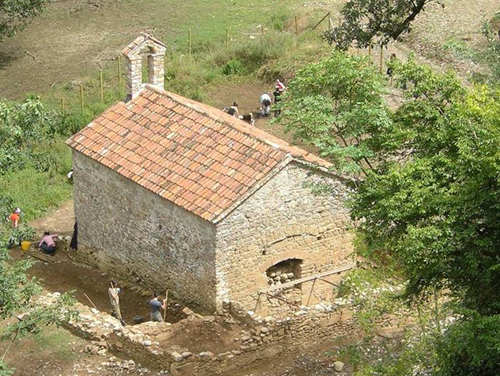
334,104
16,14
429,191
433,203
375,21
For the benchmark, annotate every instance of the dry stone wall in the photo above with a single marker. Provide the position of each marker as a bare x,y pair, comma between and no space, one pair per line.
262,337
136,235
283,220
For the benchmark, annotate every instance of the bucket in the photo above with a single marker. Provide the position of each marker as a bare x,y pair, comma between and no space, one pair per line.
25,245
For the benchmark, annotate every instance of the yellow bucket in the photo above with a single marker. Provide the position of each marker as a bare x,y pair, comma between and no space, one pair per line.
25,245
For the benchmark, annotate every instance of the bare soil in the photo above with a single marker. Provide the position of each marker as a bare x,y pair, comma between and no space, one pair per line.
57,352
62,275
203,335
247,95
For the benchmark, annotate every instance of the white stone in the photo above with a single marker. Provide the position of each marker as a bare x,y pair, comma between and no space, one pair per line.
338,366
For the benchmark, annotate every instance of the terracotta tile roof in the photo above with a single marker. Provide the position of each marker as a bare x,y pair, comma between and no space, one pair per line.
193,155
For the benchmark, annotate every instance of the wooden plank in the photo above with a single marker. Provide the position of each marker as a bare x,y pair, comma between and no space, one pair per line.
307,279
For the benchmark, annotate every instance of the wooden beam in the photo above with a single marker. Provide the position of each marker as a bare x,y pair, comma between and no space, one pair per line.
331,283
281,299
307,279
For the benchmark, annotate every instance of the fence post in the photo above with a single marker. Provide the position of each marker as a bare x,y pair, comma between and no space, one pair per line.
62,104
189,41
370,49
381,57
227,38
101,86
262,29
81,97
119,70
296,26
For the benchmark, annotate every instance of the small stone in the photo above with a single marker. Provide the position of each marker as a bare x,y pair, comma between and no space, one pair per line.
186,354
338,366
176,357
146,343
206,355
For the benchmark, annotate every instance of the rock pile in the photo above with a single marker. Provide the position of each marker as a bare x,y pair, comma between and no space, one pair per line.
283,272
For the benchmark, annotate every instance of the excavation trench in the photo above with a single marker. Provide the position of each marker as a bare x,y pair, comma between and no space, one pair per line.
60,274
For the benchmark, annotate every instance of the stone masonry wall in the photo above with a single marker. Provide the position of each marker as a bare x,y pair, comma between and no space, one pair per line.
283,220
138,236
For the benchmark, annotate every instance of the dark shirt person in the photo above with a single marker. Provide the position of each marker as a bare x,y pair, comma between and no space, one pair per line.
156,307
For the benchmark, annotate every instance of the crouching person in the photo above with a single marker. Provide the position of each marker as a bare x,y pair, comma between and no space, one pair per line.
156,307
48,244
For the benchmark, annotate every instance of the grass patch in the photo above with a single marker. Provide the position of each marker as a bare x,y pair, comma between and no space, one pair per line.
56,342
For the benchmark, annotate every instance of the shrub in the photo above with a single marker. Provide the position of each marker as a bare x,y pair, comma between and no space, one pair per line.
232,68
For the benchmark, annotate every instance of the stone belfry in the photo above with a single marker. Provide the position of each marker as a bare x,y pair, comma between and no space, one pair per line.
144,46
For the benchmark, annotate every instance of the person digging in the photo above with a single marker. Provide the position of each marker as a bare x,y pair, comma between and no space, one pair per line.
156,307
48,244
114,299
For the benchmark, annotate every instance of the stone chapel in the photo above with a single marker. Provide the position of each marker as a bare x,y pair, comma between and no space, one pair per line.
172,193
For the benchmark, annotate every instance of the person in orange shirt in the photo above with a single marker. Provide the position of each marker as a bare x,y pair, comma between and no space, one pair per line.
14,217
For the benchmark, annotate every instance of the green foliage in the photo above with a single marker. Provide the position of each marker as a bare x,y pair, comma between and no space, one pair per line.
433,201
374,21
492,55
27,132
279,19
334,104
459,49
39,316
5,370
16,14
372,295
471,347
232,67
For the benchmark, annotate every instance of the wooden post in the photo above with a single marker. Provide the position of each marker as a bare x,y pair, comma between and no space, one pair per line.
370,49
119,70
189,42
310,292
391,82
81,97
296,26
381,58
165,312
262,29
62,104
227,38
101,86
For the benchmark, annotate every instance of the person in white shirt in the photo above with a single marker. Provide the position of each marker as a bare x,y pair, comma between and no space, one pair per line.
265,104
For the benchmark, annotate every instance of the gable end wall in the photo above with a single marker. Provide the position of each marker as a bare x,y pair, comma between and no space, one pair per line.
283,220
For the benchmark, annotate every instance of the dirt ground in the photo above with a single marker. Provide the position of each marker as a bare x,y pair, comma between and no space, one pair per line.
62,275
247,96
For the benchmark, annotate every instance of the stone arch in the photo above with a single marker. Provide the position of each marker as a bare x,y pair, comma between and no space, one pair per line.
283,257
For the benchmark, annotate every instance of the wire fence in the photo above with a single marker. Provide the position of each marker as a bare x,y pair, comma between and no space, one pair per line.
108,87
